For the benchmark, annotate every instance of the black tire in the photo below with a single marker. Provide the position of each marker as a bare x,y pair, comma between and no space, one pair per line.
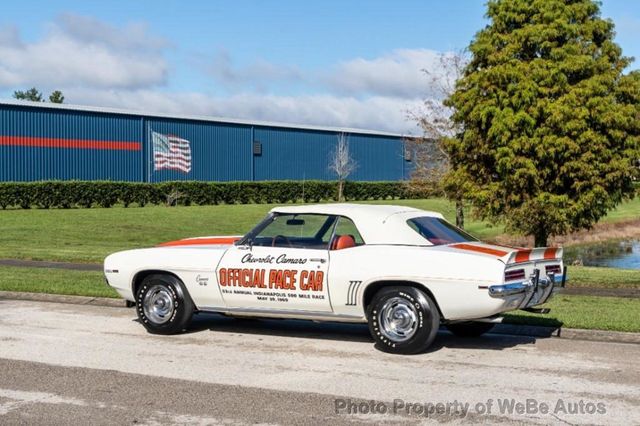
470,328
403,303
169,292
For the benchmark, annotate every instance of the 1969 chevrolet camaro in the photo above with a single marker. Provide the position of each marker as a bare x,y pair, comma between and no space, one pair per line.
402,270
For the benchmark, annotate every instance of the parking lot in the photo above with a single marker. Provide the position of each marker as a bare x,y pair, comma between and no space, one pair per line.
98,365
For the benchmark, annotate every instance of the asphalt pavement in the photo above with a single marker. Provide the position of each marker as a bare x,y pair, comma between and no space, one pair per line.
81,364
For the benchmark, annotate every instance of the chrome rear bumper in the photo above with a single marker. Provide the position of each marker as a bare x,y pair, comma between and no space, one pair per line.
534,291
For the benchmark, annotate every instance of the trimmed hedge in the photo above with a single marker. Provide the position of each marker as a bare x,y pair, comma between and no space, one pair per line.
68,194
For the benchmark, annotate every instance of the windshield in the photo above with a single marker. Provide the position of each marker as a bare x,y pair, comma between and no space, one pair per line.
310,231
438,231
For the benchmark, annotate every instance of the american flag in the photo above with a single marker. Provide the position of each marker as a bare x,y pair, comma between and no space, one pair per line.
171,153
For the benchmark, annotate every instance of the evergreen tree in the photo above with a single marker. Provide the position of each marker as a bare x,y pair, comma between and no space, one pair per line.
56,97
29,95
551,124
35,95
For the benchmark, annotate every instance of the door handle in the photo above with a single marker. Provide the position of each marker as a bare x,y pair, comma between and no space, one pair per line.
318,260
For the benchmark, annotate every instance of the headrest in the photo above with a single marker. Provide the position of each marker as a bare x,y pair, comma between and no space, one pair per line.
343,242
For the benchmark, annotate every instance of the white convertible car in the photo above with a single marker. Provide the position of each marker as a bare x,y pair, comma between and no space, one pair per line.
402,270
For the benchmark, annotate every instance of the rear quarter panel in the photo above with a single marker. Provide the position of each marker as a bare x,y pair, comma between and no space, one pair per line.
453,278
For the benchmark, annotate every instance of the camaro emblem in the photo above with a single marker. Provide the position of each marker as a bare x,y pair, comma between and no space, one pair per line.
202,280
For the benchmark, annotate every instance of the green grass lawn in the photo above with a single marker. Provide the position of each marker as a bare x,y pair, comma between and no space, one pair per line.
54,281
625,211
586,276
601,313
586,312
88,235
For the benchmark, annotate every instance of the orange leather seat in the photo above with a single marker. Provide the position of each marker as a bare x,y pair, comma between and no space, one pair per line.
342,242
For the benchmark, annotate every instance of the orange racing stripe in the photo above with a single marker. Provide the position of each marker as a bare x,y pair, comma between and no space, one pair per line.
201,241
480,249
522,256
550,253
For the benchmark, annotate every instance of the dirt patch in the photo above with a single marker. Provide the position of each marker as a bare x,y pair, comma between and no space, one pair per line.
54,265
600,232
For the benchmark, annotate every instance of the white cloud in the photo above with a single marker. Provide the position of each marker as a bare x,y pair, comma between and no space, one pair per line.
377,112
397,74
258,74
95,63
10,35
132,36
81,51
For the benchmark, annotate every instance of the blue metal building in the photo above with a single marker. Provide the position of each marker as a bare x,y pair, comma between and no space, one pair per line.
43,141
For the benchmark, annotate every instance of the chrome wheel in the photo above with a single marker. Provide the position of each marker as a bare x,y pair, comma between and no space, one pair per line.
158,304
398,319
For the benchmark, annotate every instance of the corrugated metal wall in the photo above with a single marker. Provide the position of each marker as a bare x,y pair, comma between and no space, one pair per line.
219,152
39,143
377,157
293,154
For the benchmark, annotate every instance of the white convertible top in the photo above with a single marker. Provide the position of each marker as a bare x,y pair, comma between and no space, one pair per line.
377,224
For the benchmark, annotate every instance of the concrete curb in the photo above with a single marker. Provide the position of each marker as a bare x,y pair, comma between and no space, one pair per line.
567,333
599,335
502,329
59,298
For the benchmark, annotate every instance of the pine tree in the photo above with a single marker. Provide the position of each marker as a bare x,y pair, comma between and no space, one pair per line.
56,97
32,95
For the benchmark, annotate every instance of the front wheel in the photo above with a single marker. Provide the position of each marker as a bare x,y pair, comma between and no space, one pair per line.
403,320
470,328
163,305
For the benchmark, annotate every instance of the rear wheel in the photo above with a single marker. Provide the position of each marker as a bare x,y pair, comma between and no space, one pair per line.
163,305
470,328
403,320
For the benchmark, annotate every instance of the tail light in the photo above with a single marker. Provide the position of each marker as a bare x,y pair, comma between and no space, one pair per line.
514,274
552,269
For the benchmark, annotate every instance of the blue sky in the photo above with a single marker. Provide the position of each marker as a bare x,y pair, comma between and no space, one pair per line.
345,63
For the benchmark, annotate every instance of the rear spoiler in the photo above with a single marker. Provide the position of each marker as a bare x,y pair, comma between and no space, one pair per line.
530,255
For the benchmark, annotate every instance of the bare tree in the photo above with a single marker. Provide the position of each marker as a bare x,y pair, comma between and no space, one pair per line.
341,163
431,161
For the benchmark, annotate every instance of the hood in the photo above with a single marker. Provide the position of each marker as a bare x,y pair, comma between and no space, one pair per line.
202,241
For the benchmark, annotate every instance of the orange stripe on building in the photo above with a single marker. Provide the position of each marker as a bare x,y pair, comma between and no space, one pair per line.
201,242
69,143
550,253
522,256
480,249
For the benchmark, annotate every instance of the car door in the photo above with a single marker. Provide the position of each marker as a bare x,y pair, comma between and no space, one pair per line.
282,267
349,268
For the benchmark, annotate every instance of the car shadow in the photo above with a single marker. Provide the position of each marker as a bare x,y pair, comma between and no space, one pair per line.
489,341
344,332
280,327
